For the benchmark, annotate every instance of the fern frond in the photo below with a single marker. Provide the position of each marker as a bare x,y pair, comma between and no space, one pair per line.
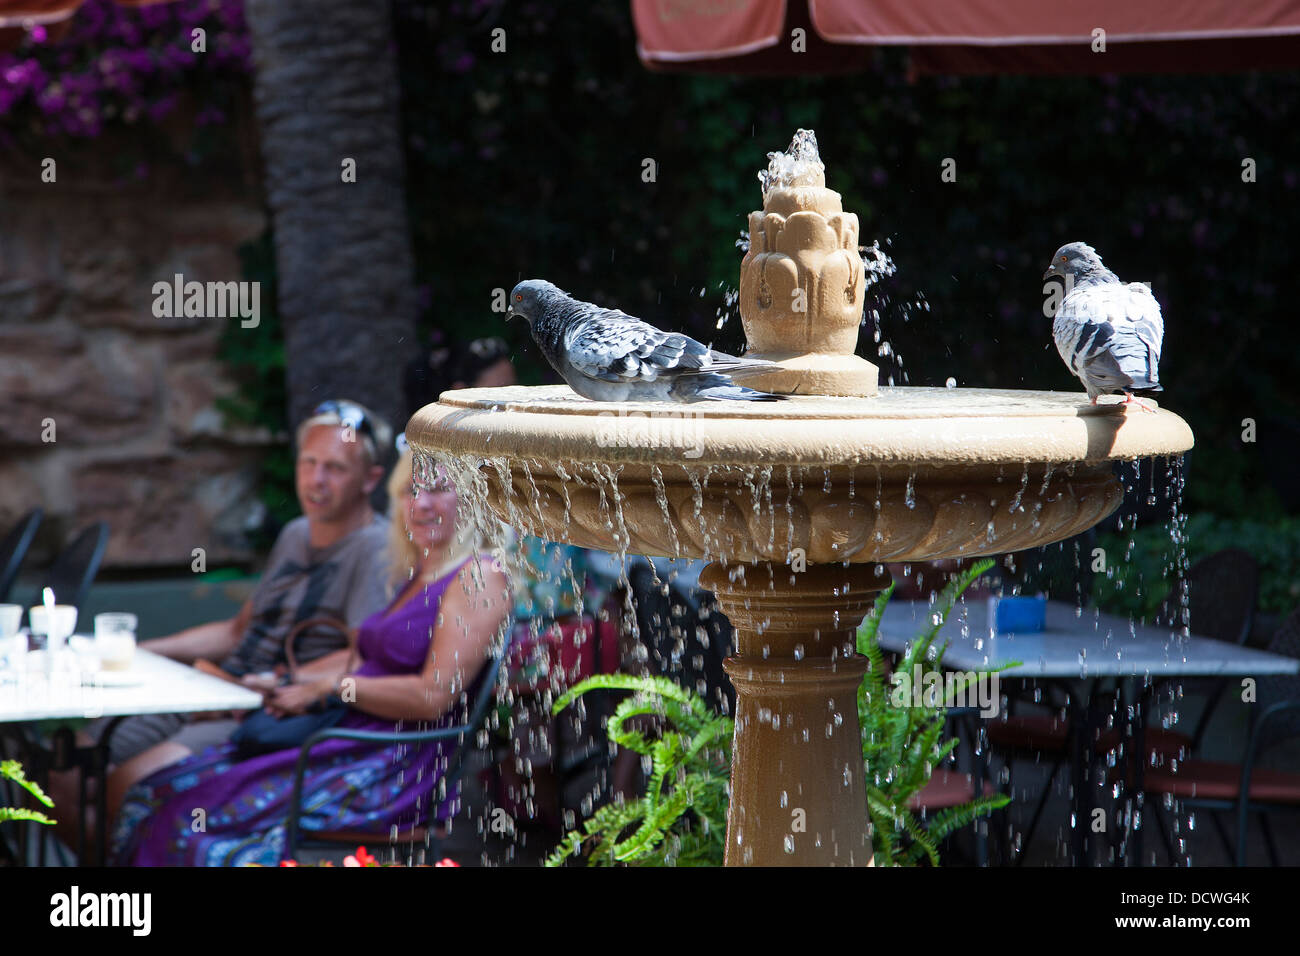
13,770
18,813
954,818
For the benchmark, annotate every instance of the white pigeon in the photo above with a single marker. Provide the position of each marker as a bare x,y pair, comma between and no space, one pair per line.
1107,331
609,356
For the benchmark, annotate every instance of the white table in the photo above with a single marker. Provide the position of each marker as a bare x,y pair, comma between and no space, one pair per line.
1077,646
153,685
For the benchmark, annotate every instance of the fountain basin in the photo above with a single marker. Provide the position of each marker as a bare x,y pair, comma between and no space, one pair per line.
910,474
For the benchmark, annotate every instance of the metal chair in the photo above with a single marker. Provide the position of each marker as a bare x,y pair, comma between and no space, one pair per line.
948,788
13,549
1221,592
686,637
75,567
1243,788
456,765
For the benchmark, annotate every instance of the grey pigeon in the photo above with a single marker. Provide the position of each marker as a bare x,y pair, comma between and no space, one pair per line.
1107,331
609,356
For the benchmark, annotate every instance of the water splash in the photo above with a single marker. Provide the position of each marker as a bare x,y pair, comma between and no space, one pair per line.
799,165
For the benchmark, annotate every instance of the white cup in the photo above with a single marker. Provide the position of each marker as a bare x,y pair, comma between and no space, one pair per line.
58,622
13,645
11,617
115,639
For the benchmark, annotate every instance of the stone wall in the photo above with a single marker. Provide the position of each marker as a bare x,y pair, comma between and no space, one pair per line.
137,440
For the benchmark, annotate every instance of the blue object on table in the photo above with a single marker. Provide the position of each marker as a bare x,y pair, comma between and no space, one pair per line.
1021,615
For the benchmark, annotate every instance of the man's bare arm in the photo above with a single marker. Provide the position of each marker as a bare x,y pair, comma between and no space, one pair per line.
214,641
333,664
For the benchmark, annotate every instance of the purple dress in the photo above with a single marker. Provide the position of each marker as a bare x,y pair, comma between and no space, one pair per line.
212,810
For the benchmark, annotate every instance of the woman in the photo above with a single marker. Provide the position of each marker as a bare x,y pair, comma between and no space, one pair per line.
417,657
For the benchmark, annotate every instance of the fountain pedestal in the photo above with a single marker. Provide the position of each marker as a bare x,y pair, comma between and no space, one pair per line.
796,676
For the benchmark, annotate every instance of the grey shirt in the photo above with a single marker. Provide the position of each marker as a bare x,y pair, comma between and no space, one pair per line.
347,580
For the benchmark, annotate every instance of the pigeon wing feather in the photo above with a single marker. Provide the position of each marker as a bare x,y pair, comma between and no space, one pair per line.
1110,335
613,346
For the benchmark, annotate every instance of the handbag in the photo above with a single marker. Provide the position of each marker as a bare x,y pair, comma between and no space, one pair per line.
262,733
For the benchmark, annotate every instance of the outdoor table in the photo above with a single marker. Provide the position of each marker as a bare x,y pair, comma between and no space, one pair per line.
1078,646
153,685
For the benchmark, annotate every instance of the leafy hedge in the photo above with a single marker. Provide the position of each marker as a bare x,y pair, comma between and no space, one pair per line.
1137,584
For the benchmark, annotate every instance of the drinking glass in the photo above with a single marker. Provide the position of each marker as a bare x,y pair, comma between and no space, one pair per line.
115,639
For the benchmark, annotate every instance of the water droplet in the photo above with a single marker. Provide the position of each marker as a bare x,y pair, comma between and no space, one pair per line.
951,383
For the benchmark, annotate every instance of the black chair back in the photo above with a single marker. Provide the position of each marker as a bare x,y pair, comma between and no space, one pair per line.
75,567
1222,588
488,690
1275,688
13,549
686,644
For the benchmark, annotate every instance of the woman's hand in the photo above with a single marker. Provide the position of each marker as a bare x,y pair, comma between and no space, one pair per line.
298,698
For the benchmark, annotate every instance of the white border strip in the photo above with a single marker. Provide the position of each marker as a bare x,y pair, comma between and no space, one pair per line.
1032,40
675,56
37,19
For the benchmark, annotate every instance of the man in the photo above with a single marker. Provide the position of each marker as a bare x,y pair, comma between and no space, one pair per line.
328,563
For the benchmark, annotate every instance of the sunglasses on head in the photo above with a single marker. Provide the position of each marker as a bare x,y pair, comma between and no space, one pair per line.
349,413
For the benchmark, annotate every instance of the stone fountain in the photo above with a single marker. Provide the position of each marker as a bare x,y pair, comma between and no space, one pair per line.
797,504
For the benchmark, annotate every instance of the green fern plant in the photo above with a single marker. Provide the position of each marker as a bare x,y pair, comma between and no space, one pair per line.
902,745
13,770
682,818
686,774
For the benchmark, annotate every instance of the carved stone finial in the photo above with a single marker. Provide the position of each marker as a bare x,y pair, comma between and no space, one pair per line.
802,283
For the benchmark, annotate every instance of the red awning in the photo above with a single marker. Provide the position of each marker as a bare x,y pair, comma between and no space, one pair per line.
52,16
28,13
969,36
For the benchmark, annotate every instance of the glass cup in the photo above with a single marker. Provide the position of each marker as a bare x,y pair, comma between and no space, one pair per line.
115,639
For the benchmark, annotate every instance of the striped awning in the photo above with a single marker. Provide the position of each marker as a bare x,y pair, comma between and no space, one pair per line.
968,36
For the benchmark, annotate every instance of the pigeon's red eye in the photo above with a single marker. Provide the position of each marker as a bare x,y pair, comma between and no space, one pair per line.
1063,258
519,298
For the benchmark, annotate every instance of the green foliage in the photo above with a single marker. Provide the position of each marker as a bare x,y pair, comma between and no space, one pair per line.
689,768
1142,566
12,770
902,744
656,830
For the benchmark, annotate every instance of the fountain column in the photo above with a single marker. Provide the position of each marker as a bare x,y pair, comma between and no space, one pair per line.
798,795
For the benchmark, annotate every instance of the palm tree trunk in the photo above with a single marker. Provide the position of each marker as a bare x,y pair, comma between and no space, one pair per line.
327,92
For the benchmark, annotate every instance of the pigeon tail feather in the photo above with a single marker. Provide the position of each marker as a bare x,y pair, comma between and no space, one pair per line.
737,393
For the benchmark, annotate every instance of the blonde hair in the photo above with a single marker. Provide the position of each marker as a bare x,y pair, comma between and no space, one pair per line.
404,556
